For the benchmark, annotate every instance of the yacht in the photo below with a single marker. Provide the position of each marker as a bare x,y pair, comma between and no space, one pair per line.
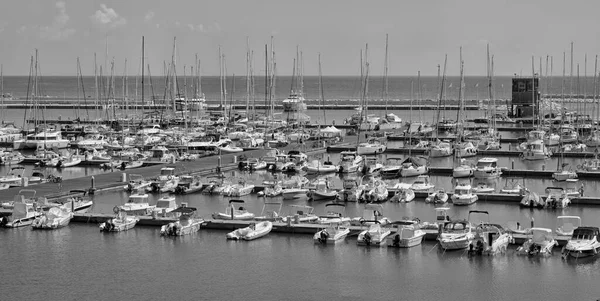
463,195
407,234
294,102
440,149
455,235
487,168
583,243
490,239
372,146
186,224
42,140
22,215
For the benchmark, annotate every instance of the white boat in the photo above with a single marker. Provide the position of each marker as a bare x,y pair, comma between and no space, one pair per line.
372,146
539,242
92,140
437,197
422,184
318,167
63,162
552,139
583,243
463,195
241,188
487,168
482,188
557,197
403,195
334,233
465,150
490,239
351,191
414,166
78,204
136,182
189,184
440,149
463,170
165,206
253,231
297,156
531,200
186,224
567,224
407,234
455,235
252,164
534,150
121,222
272,189
334,213
375,236
294,102
231,213
136,205
377,192
167,181
54,218
42,140
229,148
11,158
268,214
372,213
564,175
322,191
22,215
392,167
301,214
14,177
350,162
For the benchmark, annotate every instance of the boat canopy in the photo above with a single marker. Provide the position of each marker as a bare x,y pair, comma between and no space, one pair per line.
236,201
418,161
586,233
185,210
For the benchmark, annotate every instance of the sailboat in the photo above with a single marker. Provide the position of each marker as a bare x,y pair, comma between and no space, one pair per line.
441,148
562,174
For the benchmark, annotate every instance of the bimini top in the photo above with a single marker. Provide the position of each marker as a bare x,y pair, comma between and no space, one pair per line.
185,210
236,201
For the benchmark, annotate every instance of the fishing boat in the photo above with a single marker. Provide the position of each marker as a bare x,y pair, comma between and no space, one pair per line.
407,234
463,195
121,222
11,158
318,167
136,205
567,224
234,214
253,231
22,215
583,243
437,197
455,235
186,224
350,162
54,218
539,243
334,233
489,239
375,236
487,168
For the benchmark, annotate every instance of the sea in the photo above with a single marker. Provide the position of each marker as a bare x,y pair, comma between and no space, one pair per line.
79,263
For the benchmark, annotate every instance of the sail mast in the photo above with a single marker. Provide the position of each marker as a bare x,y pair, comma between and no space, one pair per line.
385,75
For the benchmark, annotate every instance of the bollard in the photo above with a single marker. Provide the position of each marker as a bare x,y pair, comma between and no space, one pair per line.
513,164
543,167
173,160
124,178
289,221
235,159
93,183
219,162
532,222
24,182
509,146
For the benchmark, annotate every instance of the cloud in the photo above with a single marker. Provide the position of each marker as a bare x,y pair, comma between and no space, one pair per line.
149,16
215,27
58,30
108,17
21,29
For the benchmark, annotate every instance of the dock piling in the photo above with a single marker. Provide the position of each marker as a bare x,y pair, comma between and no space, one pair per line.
124,177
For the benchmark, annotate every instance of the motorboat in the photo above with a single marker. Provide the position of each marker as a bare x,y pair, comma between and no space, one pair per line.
489,239
24,196
252,164
301,214
188,184
557,197
375,236
568,135
551,139
437,197
268,214
253,231
455,235
422,184
414,166
322,191
567,224
534,150
136,205
352,190
539,243
372,213
350,162
272,189
463,195
531,200
514,187
440,149
294,102
186,224
121,222
63,162
167,180
165,206
377,193
487,168
297,156
483,188
318,167
11,158
464,170
583,243
136,182
465,150
392,167
407,234
334,213
372,166
373,146
231,213
42,140
22,215
54,218
403,195
334,233
241,188
15,177
78,203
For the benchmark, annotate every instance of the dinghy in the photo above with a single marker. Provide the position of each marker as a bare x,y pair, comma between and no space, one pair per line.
54,218
186,224
121,222
253,231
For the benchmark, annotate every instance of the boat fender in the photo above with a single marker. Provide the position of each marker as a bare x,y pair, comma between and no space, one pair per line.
116,209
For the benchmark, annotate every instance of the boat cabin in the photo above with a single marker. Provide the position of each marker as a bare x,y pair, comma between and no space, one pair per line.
167,171
487,163
462,189
456,226
441,214
586,233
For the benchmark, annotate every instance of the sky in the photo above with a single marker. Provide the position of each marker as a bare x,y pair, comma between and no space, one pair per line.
421,33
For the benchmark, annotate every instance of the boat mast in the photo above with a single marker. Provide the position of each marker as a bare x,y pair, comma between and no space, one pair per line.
247,76
457,128
321,90
441,85
143,102
585,87
385,75
562,115
595,89
2,90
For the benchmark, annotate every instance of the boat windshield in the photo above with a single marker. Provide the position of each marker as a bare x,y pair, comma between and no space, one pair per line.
461,191
166,172
485,164
163,204
583,234
455,227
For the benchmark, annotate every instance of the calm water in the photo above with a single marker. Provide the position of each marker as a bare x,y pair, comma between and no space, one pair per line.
79,262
